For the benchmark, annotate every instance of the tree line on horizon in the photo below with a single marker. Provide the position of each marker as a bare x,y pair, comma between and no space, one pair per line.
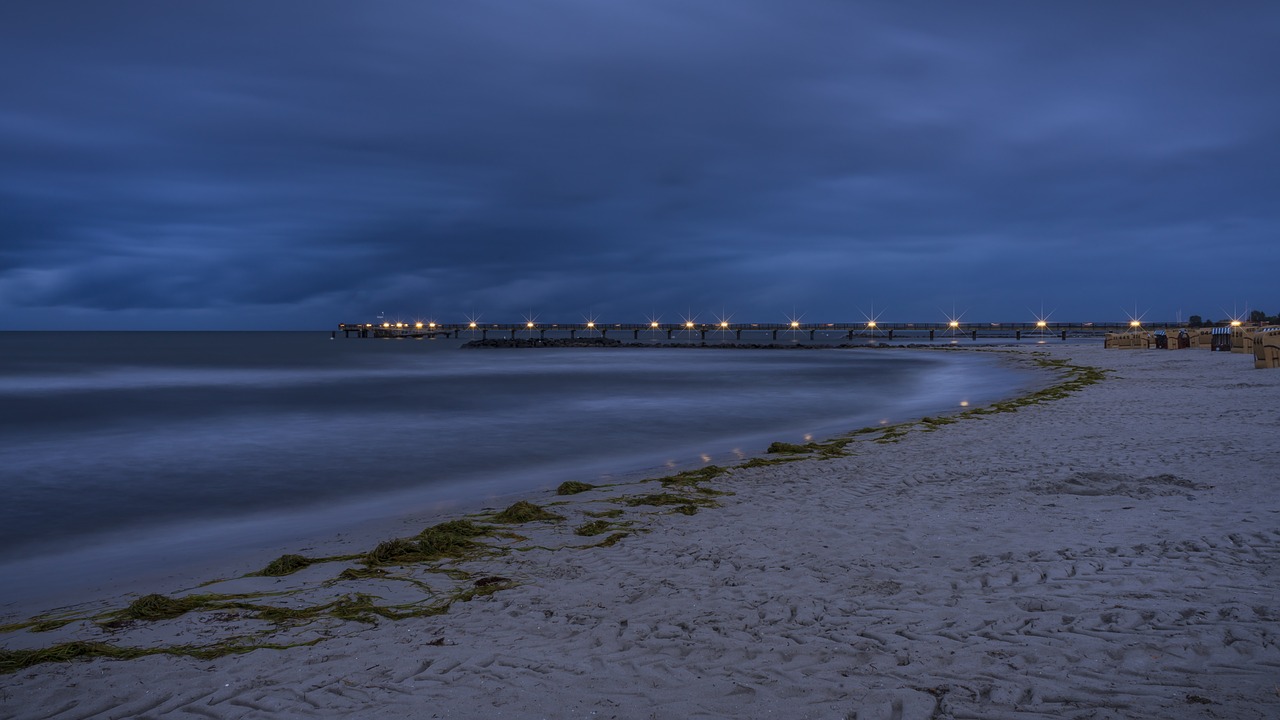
1256,316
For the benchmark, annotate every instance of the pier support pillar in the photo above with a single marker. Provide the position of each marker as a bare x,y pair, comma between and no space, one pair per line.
811,332
975,334
890,333
931,334
1064,334
737,334
1017,335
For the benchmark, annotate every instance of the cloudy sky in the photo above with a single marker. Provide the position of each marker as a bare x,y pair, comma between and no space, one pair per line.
297,163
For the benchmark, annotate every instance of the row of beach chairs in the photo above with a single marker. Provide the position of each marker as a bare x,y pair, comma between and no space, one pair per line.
1262,343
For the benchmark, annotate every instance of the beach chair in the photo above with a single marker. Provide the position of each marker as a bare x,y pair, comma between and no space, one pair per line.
1266,348
1242,340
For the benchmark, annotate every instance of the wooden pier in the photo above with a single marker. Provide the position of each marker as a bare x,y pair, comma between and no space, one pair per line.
722,331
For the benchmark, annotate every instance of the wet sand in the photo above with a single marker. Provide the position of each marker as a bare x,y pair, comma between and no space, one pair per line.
1110,554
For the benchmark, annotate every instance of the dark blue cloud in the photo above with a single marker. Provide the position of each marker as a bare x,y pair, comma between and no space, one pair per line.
300,163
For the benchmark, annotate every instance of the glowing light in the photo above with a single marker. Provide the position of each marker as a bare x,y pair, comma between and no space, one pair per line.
689,324
591,324
653,324
954,324
1135,323
419,325
964,403
795,324
1041,323
528,324
399,324
472,326
1236,323
386,325
871,324
724,324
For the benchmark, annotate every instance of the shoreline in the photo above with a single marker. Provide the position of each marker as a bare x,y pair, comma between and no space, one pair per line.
155,558
831,585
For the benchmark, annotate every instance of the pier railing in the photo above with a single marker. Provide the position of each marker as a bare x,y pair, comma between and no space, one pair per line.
698,331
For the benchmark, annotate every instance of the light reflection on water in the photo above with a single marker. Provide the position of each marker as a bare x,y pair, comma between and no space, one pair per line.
137,434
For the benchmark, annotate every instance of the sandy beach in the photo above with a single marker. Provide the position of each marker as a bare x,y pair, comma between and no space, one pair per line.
1108,554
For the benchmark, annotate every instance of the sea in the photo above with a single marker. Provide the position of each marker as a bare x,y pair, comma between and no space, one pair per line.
121,450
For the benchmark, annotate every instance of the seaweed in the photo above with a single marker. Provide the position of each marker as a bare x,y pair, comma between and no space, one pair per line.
691,478
573,487
791,448
455,538
162,607
611,540
523,512
665,499
286,565
593,528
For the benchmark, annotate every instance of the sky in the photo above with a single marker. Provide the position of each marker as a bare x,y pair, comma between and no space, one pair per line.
293,164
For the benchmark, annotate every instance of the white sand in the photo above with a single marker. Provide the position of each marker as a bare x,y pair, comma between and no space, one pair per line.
1108,555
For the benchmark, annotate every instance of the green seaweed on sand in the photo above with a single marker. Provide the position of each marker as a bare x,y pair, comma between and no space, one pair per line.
766,462
692,478
15,660
391,552
791,448
611,540
367,573
826,450
286,565
666,499
523,512
453,539
43,623
1075,379
595,527
834,448
573,487
613,513
933,423
163,607
893,433
483,587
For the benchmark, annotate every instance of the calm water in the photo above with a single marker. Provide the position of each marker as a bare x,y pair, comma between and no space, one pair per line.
115,437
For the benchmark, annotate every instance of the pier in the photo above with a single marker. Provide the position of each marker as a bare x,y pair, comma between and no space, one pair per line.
691,331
